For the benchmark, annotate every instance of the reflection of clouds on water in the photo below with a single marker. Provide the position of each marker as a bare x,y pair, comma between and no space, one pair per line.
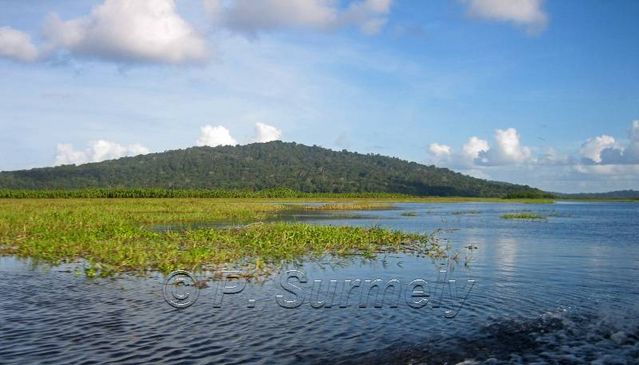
597,255
506,255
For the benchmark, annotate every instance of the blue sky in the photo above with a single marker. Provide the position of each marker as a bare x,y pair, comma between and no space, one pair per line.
529,91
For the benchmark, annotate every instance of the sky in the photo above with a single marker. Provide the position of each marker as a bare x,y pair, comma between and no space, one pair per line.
543,93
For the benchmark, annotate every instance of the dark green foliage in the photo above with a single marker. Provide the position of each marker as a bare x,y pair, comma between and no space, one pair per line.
256,167
105,193
530,194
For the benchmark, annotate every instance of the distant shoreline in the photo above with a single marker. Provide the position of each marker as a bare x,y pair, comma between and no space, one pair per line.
281,195
151,193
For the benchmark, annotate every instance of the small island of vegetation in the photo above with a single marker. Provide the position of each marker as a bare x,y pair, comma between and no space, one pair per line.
524,216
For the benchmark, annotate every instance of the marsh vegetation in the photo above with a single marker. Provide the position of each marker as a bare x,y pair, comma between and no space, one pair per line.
114,235
409,214
524,216
465,212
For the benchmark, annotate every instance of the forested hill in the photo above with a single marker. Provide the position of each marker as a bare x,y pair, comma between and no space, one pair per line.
264,166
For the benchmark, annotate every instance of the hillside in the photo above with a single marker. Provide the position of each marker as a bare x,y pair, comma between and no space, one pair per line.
263,166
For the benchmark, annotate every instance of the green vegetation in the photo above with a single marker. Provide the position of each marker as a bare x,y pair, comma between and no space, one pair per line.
530,194
464,212
256,167
524,215
285,195
409,214
115,235
350,206
186,193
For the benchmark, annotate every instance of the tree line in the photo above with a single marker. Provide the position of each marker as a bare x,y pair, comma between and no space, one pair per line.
263,167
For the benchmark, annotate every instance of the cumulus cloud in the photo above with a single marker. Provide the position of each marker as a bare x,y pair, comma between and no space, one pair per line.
605,150
474,147
17,45
464,159
592,148
602,157
508,149
215,136
251,17
440,150
152,31
97,151
527,13
130,31
602,150
266,133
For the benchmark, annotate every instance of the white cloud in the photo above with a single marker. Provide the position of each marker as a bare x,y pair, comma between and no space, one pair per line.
592,148
527,13
97,151
443,154
601,163
609,170
17,45
215,136
605,150
440,150
65,154
129,30
464,161
251,17
474,147
266,133
152,31
507,151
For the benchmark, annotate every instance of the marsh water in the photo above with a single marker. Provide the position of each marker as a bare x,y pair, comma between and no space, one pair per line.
558,290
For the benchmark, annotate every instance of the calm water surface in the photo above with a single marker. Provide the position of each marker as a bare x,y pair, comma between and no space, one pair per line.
562,290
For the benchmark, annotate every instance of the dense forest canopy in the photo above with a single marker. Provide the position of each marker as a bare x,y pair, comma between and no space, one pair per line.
261,166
